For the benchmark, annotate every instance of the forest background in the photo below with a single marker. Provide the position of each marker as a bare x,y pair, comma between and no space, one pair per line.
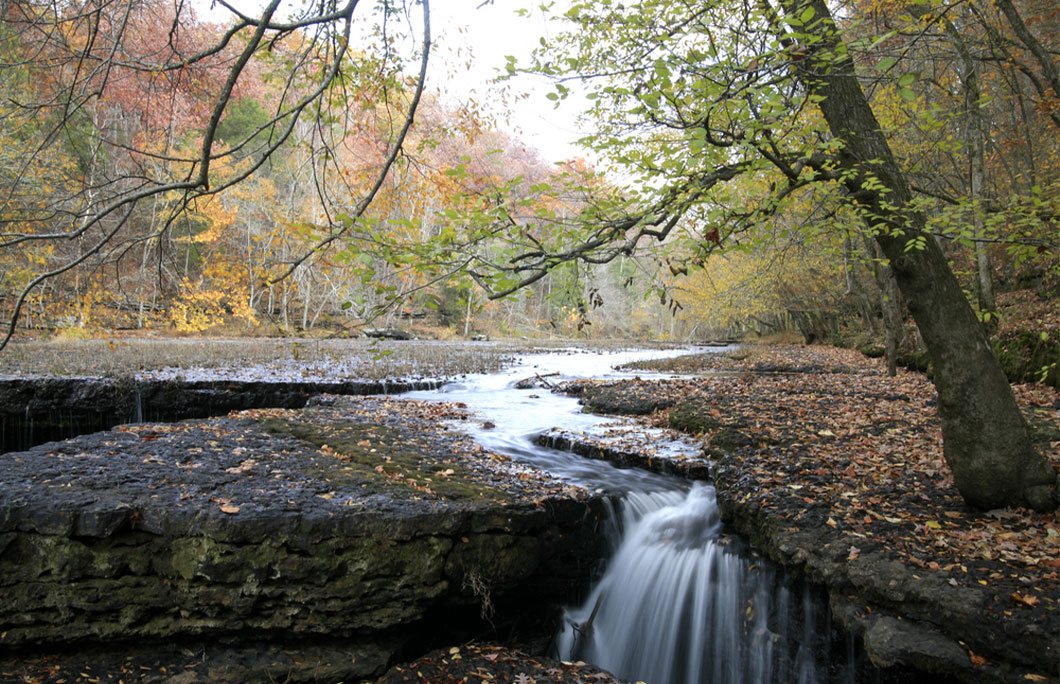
329,209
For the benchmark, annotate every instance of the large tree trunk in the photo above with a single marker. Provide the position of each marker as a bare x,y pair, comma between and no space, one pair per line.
986,440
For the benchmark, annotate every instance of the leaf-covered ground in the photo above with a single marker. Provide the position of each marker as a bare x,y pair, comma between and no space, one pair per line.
818,427
820,436
483,663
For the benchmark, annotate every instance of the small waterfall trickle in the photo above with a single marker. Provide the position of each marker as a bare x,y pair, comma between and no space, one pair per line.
679,604
138,405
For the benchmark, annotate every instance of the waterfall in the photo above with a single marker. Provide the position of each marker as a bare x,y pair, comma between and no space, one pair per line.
679,604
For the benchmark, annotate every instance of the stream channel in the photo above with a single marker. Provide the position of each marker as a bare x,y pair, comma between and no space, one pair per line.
681,601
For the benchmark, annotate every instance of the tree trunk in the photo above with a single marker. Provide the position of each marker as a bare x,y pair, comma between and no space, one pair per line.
986,439
890,304
977,162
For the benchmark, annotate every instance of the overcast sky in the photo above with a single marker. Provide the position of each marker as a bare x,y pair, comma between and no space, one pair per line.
472,39
487,33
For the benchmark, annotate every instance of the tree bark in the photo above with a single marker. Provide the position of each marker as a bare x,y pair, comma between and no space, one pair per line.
986,439
977,163
890,304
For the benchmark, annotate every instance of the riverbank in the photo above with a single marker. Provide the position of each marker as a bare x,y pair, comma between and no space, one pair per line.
835,470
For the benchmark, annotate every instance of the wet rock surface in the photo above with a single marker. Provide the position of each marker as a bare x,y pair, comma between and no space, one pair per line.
835,472
626,455
300,545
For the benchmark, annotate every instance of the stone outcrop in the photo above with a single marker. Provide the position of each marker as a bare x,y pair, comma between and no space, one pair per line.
35,410
905,619
244,539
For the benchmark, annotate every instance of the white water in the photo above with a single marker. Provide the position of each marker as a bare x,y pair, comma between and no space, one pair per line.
680,602
521,415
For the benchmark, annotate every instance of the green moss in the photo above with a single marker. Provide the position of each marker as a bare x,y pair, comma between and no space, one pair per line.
872,350
1024,354
693,417
378,459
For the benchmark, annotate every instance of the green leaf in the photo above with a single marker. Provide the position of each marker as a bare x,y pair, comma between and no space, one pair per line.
886,63
906,80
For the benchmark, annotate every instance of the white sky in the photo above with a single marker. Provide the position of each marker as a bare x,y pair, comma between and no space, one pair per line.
484,34
472,39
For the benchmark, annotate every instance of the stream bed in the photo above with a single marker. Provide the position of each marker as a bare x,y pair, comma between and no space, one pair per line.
681,601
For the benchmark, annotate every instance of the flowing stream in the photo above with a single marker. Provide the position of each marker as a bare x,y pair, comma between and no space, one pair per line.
681,601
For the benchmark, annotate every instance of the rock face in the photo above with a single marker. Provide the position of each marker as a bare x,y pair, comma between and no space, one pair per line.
244,544
35,410
907,620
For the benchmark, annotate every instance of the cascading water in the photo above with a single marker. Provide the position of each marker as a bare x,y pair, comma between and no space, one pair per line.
680,602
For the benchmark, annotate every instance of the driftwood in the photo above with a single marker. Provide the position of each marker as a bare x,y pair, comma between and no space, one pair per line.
583,632
387,334
536,381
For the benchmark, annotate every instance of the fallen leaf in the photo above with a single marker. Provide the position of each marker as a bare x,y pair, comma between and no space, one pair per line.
229,509
1028,600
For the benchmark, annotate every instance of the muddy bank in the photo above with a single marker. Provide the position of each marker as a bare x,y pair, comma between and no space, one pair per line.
294,545
835,471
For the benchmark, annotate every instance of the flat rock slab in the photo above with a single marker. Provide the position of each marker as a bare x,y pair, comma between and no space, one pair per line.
346,523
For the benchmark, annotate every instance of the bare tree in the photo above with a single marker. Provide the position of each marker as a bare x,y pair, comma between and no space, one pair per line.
76,62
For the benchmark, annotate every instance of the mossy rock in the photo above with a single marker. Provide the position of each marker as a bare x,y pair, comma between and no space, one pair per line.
625,398
873,350
693,417
916,360
380,459
729,439
1044,430
1029,356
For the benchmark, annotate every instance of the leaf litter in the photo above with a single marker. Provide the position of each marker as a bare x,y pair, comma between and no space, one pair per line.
820,435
